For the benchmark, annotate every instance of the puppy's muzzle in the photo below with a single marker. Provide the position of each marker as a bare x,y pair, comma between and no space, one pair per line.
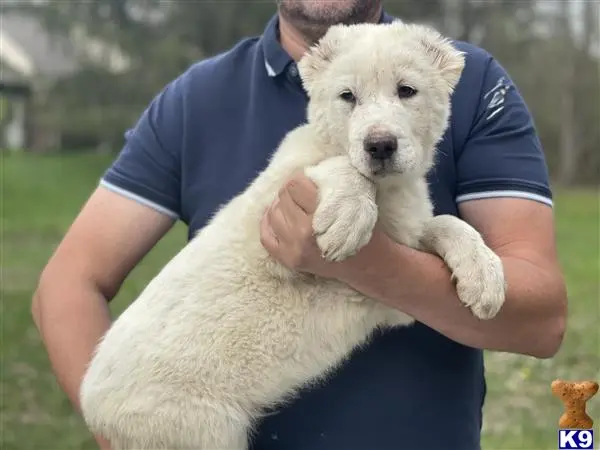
381,147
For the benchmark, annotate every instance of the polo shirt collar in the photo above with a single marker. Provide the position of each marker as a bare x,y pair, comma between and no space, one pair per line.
276,58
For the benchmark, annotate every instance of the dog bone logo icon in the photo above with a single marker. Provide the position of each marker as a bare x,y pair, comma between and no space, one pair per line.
574,395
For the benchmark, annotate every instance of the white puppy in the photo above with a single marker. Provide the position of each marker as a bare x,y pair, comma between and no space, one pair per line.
224,331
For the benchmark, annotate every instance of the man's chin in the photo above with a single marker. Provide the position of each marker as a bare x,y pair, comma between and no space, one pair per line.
313,18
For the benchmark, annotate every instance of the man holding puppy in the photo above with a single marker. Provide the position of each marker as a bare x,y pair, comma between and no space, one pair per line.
417,387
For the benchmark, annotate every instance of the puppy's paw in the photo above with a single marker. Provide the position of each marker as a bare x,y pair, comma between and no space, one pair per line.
480,282
476,269
343,225
345,217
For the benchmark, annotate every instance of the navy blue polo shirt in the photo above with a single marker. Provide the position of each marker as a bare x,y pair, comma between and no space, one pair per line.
208,134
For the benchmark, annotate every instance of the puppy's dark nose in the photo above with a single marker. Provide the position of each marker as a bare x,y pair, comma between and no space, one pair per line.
381,147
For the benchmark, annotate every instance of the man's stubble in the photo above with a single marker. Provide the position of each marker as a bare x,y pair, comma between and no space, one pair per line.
312,18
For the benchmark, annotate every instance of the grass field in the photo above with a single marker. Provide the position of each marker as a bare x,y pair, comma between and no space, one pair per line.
42,194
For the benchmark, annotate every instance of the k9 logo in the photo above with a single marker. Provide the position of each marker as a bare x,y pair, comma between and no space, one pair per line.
575,439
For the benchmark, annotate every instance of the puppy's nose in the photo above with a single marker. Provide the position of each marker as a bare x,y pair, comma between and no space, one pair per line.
381,147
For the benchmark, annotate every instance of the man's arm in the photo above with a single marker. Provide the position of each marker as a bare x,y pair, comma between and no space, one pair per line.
109,237
521,232
532,319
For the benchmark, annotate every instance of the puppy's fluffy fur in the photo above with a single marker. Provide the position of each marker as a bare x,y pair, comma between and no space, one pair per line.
224,331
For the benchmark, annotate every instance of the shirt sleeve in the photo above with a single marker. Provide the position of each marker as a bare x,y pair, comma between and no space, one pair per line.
148,168
502,156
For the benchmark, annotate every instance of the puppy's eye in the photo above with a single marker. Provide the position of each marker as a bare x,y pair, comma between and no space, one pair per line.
405,91
348,96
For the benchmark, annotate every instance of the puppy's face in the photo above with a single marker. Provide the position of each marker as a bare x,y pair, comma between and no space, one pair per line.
382,93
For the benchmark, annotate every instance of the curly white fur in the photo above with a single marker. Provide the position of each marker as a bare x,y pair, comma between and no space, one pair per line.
223,331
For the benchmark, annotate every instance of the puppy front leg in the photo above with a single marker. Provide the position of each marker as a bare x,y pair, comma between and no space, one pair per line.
346,214
476,269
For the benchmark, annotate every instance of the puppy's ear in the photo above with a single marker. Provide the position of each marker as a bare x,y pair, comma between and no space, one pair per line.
446,58
318,57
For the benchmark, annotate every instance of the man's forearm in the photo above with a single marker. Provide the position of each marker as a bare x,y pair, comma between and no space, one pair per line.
71,321
531,321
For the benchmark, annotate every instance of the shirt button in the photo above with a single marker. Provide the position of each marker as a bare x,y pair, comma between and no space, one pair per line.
293,70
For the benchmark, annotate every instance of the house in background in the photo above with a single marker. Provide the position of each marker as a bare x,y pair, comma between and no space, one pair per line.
31,60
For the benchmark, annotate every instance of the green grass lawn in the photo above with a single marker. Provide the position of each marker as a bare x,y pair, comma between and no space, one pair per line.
40,197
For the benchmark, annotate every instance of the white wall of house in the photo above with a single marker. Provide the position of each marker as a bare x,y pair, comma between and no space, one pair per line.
15,130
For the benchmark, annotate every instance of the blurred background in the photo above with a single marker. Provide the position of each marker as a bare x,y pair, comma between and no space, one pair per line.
75,74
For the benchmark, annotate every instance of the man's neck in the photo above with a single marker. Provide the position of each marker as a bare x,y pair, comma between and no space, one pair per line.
292,41
296,44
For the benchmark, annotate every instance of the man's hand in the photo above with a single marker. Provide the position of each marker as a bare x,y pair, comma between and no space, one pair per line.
287,231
